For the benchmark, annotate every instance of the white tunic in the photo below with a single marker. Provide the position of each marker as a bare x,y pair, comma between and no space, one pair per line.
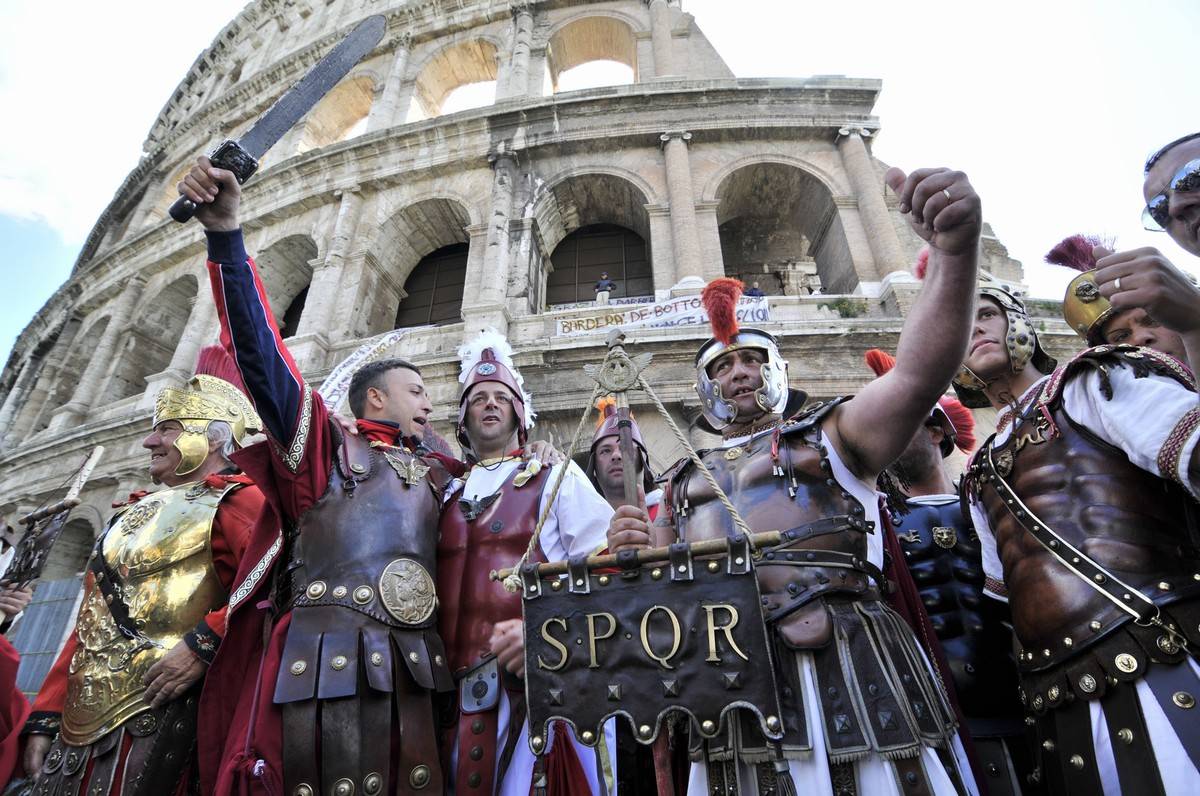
577,525
873,774
1141,416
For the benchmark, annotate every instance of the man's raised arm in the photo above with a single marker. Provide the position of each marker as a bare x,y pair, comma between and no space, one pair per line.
248,328
874,427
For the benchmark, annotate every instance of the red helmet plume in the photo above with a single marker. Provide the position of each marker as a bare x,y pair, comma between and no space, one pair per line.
720,298
1075,252
214,360
963,422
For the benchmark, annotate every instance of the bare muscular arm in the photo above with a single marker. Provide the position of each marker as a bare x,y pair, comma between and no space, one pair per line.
873,428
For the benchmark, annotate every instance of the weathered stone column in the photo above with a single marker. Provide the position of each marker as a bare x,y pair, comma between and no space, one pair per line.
324,288
517,84
881,235
660,37
34,407
87,392
489,307
683,209
16,397
387,110
196,333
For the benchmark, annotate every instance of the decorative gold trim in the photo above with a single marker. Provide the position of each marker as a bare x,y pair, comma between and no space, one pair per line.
255,575
1170,455
295,453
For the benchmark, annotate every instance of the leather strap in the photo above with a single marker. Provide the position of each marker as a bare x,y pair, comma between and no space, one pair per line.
340,743
376,744
1075,755
1165,683
418,761
476,769
910,772
998,772
106,754
299,746
1129,599
1137,769
106,580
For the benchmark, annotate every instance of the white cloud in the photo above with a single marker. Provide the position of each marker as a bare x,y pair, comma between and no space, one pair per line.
81,86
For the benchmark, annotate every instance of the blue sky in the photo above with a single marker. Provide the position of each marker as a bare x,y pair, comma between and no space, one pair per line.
1050,107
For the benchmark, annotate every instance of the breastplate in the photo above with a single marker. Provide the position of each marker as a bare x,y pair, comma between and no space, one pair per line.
160,551
1129,521
796,493
477,537
943,555
369,544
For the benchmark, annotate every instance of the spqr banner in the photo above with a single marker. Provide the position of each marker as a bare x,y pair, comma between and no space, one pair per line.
682,635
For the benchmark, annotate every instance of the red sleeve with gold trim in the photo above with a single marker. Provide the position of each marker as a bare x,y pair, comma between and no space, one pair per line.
48,707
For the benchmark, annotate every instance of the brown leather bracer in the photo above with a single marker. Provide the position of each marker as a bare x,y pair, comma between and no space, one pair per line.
1128,520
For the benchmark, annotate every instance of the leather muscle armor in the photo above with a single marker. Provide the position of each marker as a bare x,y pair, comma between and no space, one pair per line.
805,499
160,550
362,565
820,594
1128,520
943,555
477,537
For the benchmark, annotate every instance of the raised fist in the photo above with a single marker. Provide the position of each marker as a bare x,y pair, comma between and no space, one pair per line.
942,207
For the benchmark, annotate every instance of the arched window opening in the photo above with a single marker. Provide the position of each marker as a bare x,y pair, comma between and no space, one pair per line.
286,271
435,289
339,116
291,316
466,70
150,342
779,227
590,251
591,52
61,385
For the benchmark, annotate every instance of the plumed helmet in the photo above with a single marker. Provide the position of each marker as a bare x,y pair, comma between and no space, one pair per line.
956,420
1084,309
720,298
489,358
607,425
1020,339
214,393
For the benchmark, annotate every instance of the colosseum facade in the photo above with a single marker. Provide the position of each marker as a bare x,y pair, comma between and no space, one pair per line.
387,208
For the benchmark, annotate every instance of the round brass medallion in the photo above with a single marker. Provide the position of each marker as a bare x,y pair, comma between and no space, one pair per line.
316,590
339,662
1126,663
298,668
343,787
1184,700
419,777
363,595
407,591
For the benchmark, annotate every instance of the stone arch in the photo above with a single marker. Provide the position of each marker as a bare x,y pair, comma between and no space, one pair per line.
714,184
149,341
452,67
592,195
286,270
70,553
593,220
421,243
779,224
591,38
62,383
340,115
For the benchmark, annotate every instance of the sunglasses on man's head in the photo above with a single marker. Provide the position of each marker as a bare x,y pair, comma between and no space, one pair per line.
1157,214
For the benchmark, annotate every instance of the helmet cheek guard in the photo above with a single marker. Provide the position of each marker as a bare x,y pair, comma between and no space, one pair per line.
192,444
772,395
719,411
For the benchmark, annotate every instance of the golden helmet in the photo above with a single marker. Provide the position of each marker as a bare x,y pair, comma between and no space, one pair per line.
202,400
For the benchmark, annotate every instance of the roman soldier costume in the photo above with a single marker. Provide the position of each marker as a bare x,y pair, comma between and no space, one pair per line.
943,555
862,710
607,425
487,525
334,620
159,576
1087,514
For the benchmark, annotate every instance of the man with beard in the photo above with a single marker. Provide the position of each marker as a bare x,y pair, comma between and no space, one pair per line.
487,525
326,684
862,710
117,712
1085,501
941,550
